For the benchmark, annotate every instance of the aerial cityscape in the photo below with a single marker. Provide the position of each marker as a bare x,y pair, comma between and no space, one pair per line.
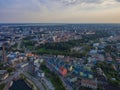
59,45
60,57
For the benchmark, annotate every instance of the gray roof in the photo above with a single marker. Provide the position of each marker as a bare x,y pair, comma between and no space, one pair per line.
3,71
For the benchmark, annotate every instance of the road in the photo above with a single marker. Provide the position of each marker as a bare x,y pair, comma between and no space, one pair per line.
35,81
19,44
16,74
10,78
67,86
47,83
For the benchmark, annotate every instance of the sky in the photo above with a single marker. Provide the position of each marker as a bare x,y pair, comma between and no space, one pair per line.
59,11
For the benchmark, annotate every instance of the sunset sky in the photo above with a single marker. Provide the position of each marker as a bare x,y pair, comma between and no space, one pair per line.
59,11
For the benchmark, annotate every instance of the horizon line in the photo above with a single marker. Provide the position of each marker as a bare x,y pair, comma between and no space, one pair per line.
55,23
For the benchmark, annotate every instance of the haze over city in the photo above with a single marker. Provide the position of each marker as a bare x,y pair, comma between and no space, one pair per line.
59,44
59,11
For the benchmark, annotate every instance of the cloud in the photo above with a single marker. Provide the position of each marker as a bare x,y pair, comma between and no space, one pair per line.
56,4
89,3
80,1
59,10
118,0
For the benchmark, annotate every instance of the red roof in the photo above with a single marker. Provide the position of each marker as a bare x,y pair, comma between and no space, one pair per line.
63,71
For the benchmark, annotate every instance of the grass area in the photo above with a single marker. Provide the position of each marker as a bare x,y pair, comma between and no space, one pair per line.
59,48
56,81
14,46
2,86
10,69
57,52
28,44
51,51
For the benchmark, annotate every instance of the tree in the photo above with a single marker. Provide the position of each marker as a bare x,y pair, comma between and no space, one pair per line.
9,70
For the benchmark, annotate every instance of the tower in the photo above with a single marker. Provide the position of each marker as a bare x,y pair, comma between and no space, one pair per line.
4,59
0,53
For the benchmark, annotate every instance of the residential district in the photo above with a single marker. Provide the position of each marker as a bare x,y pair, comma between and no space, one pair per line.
60,56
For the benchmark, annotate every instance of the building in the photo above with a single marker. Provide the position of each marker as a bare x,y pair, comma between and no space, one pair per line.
89,83
73,79
2,53
40,73
118,60
31,67
63,71
15,58
3,74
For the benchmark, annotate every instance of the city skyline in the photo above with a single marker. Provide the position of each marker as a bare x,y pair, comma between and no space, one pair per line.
59,11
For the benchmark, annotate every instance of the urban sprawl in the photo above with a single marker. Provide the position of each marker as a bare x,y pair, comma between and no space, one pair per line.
60,56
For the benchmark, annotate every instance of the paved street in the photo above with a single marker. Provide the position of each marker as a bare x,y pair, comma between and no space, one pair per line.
47,83
16,74
10,78
35,81
68,87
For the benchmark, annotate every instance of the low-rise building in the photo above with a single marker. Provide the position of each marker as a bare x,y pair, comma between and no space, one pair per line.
40,74
3,74
63,71
89,83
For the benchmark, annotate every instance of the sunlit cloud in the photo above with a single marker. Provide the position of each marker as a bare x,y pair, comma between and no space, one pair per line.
60,11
